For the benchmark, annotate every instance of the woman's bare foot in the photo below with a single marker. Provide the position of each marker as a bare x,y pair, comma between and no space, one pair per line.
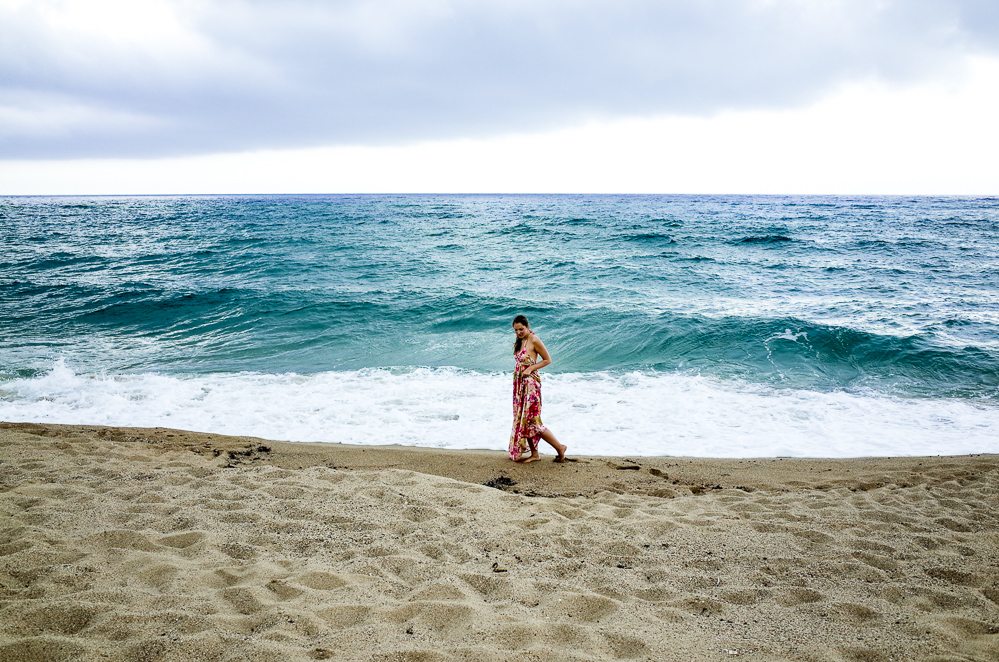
533,458
560,458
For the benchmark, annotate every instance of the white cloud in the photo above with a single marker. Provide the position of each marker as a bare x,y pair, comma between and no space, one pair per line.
938,137
257,74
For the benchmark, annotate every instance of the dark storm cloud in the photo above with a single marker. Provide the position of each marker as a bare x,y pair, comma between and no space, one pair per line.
192,78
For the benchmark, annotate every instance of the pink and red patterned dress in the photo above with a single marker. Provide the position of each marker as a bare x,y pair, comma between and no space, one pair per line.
527,425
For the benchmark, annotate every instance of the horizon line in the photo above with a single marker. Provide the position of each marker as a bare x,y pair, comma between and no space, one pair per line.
498,193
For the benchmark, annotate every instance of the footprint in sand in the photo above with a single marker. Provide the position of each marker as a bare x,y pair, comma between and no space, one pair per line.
957,626
42,648
932,600
412,655
743,597
422,513
433,616
798,596
285,492
11,548
64,619
854,613
877,561
625,647
700,606
514,637
954,576
182,540
435,552
954,525
283,590
586,608
409,569
123,539
870,546
814,536
243,600
238,551
440,593
321,581
158,575
345,615
567,634
489,588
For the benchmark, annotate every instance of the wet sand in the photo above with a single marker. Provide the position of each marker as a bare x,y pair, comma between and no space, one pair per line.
157,544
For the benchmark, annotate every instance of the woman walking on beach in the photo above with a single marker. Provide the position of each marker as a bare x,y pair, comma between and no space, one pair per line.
527,425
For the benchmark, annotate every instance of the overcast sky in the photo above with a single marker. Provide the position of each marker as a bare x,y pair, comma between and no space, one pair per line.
769,96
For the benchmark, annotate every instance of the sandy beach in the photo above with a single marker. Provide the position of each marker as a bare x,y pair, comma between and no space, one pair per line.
158,544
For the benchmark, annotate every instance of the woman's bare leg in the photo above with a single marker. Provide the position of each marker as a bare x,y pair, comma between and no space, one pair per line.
559,447
533,457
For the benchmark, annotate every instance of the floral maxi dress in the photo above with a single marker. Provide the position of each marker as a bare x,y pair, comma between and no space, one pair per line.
527,425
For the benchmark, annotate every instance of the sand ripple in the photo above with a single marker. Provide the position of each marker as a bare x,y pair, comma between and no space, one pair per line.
141,552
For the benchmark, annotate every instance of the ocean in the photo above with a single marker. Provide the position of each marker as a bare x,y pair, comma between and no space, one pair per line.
720,326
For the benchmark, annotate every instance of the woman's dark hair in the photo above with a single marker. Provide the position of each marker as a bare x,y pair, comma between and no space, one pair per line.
519,319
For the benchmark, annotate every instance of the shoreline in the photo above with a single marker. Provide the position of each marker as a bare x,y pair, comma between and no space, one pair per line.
580,476
154,543
613,413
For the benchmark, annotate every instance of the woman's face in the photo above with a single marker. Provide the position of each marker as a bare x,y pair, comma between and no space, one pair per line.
520,330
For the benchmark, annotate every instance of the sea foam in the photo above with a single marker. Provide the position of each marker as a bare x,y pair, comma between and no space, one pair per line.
597,413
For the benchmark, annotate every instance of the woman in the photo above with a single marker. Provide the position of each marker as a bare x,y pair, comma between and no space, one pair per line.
527,425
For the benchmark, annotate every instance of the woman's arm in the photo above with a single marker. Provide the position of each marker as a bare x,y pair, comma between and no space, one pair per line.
542,351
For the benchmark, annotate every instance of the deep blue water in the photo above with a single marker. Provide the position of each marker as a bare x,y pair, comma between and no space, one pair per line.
894,297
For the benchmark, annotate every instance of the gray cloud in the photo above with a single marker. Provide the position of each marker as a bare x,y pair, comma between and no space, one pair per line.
200,77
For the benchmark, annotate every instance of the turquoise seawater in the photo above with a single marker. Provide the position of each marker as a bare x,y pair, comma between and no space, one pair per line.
887,302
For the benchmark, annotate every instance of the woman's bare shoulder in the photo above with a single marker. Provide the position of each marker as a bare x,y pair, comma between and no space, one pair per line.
534,342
